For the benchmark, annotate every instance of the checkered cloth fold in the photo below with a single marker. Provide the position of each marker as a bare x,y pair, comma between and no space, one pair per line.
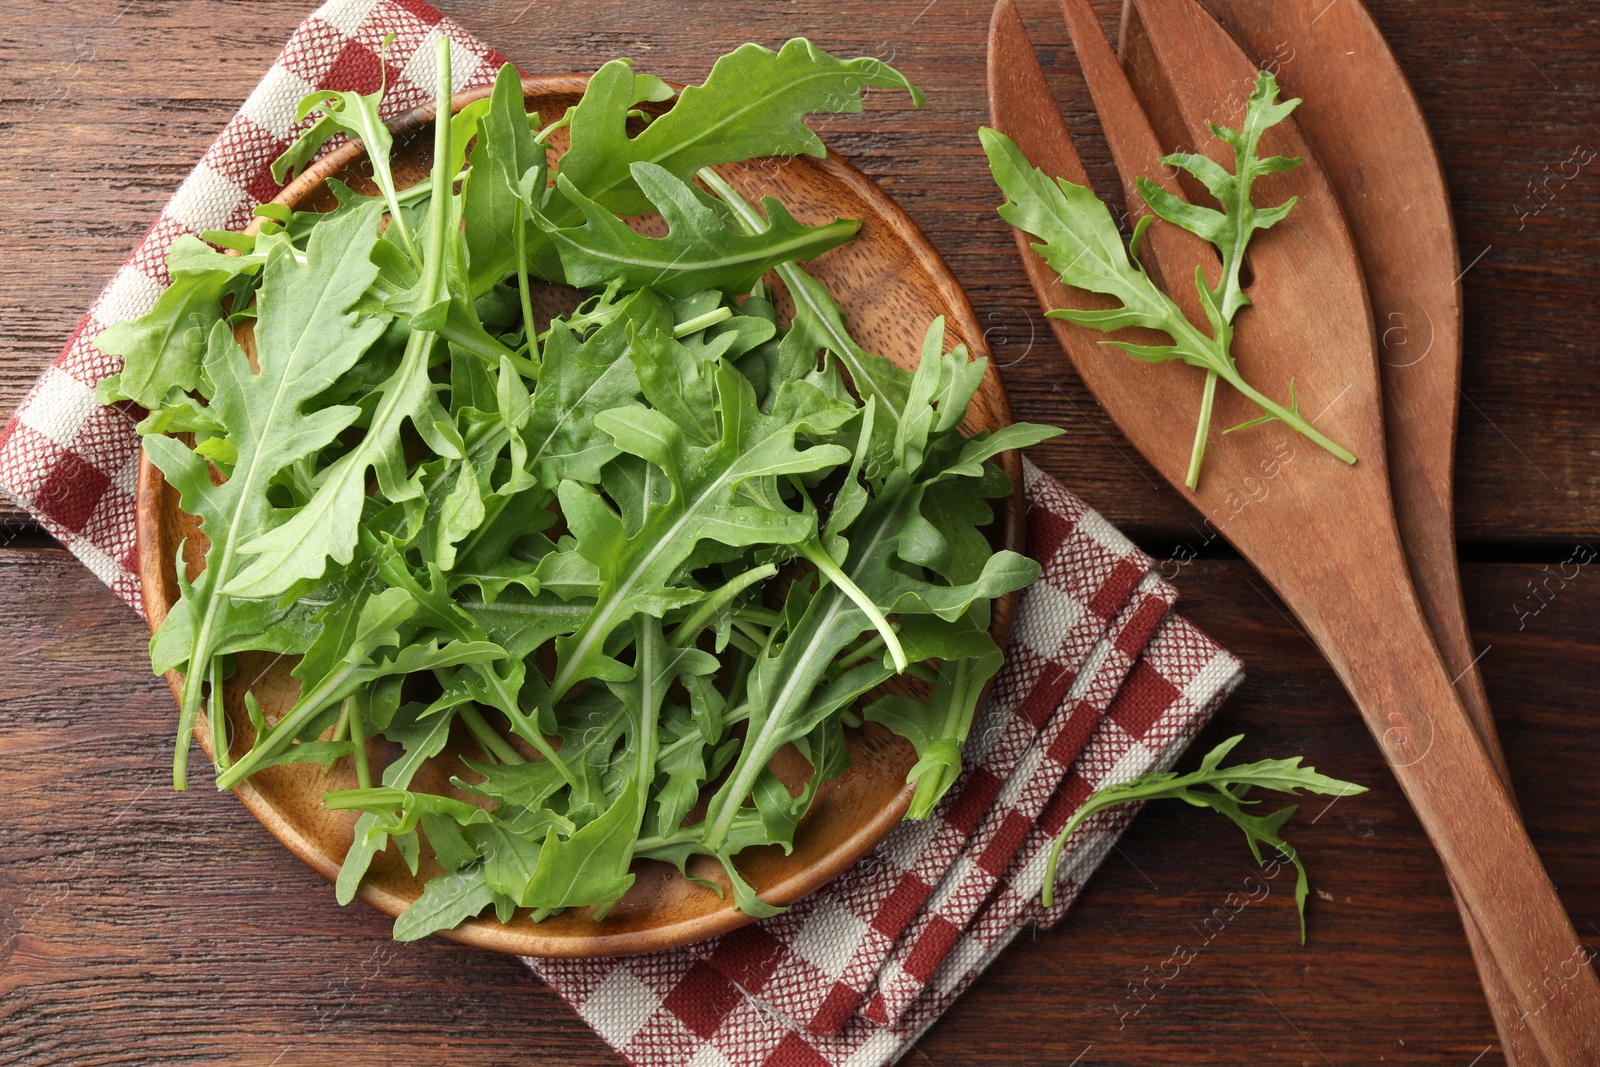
1102,682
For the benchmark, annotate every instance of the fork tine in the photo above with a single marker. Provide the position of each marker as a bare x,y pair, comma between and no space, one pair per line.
1022,107
1137,152
1193,67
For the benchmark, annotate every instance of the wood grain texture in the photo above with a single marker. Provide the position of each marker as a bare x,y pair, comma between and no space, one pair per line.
139,926
229,950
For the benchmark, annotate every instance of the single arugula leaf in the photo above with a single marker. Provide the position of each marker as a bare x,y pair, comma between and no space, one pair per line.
699,251
164,349
505,151
1222,789
1080,241
299,546
311,336
753,103
358,116
1229,230
446,902
938,728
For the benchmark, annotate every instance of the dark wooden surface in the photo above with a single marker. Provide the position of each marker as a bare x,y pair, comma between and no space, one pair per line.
142,926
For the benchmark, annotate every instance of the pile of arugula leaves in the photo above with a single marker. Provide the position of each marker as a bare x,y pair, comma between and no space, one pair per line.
630,552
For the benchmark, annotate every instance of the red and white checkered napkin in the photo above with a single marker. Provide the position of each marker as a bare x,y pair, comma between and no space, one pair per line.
1102,680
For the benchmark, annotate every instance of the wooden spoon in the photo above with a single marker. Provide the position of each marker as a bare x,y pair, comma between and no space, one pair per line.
1322,533
1374,145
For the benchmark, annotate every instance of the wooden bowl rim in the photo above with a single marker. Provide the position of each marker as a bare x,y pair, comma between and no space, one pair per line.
489,933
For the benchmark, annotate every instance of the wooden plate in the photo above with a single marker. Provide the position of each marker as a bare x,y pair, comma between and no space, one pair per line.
891,283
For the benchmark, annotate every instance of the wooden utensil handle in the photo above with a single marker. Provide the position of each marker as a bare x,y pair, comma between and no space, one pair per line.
1387,660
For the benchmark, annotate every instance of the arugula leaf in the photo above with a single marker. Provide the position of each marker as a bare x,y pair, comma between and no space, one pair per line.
491,206
584,376
938,729
325,528
446,902
357,115
1229,230
1223,790
273,425
751,104
1081,242
698,253
164,349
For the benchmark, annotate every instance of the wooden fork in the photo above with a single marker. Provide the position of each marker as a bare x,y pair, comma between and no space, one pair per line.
1322,533
1374,144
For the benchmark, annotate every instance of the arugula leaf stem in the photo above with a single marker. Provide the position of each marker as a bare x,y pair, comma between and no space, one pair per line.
751,633
1291,418
413,194
1202,428
757,615
397,219
217,706
439,214
188,712
355,708
1218,361
861,652
559,124
688,630
814,552
700,322
489,738
340,726
520,237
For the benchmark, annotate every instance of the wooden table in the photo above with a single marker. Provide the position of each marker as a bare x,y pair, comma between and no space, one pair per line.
142,926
